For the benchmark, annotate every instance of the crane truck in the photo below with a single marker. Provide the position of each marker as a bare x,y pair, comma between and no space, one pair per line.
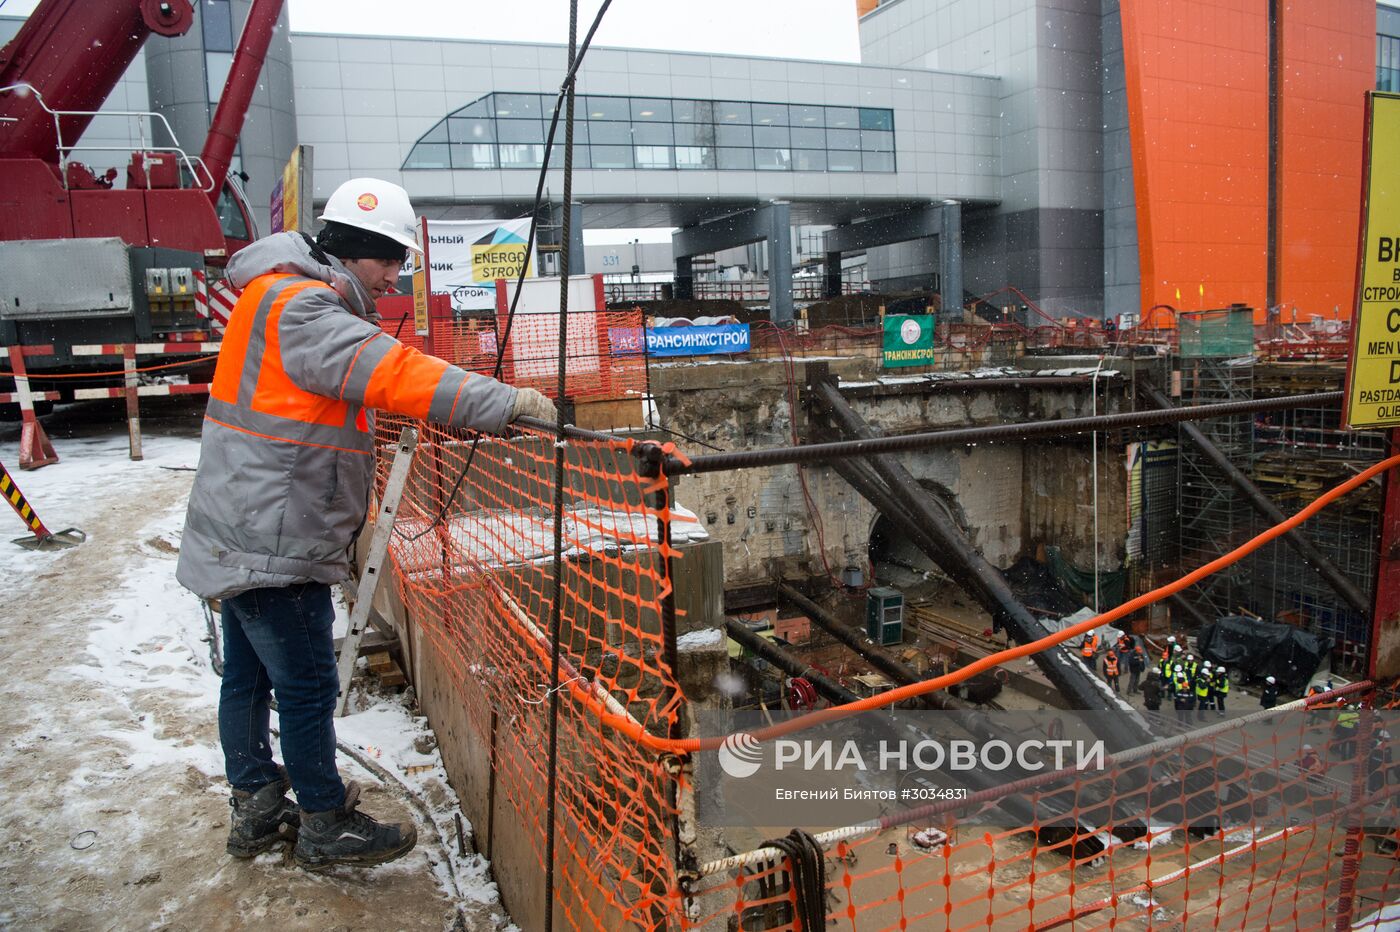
89,257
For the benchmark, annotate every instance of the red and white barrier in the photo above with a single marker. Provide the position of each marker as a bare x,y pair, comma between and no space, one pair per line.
214,301
131,390
145,349
142,391
35,450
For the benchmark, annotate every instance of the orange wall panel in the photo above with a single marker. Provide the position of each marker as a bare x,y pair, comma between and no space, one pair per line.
1329,47
1197,84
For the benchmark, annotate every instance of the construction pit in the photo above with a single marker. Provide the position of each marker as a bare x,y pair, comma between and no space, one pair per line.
702,577
800,531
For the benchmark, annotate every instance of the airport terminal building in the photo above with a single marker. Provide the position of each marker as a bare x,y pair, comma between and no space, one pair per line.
1101,156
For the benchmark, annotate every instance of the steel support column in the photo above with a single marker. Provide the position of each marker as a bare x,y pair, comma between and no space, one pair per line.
950,259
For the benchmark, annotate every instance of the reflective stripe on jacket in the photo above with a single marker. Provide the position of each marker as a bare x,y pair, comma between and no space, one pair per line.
287,453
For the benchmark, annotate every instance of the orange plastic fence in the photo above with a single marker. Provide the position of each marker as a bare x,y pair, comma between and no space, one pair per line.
475,571
1206,832
605,357
1196,832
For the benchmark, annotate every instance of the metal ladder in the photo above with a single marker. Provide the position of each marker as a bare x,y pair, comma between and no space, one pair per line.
374,563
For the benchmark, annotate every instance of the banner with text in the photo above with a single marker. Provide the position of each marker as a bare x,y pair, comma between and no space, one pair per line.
908,340
681,341
469,255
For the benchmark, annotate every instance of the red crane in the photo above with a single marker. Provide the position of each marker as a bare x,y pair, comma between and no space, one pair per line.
161,221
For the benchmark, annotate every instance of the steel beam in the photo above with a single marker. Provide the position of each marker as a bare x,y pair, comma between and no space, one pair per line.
877,657
832,691
955,553
1061,427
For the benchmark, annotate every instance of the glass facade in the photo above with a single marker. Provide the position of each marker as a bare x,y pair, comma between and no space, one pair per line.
1387,63
504,130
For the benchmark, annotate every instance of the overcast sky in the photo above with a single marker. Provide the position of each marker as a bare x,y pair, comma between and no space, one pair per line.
820,29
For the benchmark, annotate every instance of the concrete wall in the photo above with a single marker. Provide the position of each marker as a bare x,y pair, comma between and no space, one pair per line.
1012,497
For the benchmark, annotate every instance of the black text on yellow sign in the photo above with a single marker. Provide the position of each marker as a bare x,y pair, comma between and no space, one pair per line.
420,300
1373,381
498,260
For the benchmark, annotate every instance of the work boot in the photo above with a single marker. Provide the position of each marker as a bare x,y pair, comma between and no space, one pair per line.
259,818
344,836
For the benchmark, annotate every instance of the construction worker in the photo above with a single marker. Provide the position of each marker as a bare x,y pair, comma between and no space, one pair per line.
1201,685
1124,646
1137,664
282,489
1089,647
1110,669
1182,694
1164,667
1220,688
1192,666
1268,696
1344,731
1170,648
1152,692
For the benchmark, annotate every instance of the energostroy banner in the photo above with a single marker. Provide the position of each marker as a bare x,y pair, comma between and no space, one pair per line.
468,256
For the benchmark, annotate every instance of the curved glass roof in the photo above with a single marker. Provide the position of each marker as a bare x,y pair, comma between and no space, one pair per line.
507,130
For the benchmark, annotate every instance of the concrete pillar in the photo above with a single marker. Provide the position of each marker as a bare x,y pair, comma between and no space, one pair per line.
780,262
832,287
685,279
950,258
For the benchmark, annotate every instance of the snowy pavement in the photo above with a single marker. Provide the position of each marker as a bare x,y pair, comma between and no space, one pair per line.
114,809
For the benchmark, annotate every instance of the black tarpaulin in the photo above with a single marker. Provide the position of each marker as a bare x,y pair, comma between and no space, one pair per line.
1262,648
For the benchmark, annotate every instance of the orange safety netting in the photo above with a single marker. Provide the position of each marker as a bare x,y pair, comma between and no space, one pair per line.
475,570
605,356
1200,831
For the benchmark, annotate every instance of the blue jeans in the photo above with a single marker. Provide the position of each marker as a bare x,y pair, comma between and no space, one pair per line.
279,640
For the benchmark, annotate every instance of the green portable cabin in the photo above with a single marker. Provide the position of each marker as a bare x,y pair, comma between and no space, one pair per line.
884,616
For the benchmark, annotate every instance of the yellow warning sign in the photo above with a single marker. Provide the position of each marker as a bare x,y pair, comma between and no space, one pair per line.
1373,378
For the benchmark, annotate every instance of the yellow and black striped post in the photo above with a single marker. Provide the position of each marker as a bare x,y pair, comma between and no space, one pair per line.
21,505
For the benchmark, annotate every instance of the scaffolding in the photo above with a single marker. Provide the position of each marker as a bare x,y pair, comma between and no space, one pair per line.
1297,454
1214,516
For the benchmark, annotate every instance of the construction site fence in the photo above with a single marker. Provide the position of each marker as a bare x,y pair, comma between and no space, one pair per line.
605,357
1196,830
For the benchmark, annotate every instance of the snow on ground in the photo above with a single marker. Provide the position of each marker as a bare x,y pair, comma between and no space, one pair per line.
115,808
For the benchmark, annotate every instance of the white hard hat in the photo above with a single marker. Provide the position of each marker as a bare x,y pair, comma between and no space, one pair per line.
375,206
1178,668
1171,639
1269,679
1207,663
1307,747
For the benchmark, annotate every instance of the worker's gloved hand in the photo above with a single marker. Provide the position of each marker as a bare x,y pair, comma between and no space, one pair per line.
530,403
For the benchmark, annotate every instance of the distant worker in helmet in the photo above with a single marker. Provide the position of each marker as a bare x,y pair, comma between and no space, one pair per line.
1268,696
1220,688
1089,646
1110,669
281,492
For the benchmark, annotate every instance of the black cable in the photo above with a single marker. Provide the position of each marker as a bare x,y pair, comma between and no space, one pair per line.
807,876
556,613
503,339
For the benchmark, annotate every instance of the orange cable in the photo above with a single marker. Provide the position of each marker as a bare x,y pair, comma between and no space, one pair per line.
692,745
115,372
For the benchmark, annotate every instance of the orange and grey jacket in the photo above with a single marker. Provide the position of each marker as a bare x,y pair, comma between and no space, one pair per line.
287,452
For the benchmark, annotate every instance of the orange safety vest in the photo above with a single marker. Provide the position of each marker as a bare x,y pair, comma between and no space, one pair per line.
1110,665
1091,645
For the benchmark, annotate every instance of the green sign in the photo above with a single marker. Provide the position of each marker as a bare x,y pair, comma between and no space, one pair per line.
909,340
